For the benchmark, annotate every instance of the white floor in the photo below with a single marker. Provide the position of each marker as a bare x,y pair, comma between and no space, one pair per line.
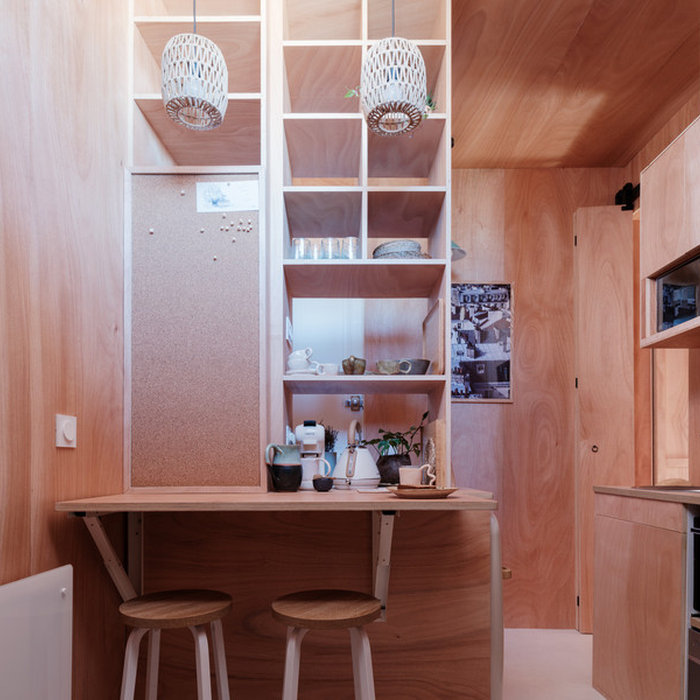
547,665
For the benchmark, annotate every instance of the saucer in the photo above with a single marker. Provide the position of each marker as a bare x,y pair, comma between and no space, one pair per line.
417,492
310,372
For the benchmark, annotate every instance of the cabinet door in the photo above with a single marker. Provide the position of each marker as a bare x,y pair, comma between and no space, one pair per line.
663,224
195,347
639,608
605,373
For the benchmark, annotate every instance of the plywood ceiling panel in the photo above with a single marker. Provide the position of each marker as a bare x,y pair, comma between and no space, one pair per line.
576,83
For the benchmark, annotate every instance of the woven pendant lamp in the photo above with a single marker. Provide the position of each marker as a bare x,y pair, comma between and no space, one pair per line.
393,94
194,80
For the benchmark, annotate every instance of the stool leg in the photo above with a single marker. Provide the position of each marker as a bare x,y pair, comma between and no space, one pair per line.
217,636
131,662
362,664
291,662
201,652
152,667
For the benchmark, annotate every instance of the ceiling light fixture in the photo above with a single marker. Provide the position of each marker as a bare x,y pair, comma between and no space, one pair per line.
194,80
393,92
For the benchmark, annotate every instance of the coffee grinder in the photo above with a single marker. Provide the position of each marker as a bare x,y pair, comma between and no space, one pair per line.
311,439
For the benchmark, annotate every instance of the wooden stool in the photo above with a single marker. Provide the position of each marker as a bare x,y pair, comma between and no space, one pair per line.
323,610
174,610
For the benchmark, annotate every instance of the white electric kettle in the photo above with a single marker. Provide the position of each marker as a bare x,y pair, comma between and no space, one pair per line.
356,467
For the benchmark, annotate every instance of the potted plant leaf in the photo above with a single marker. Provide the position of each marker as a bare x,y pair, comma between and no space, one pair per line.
395,449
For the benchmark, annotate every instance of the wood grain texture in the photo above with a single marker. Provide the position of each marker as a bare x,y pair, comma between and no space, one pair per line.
436,640
235,142
61,228
604,351
195,386
639,608
523,452
658,514
554,63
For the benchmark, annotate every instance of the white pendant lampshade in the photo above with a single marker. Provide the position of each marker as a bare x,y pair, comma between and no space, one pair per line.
393,93
194,82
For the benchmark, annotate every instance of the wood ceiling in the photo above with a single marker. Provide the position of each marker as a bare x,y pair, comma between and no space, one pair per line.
577,83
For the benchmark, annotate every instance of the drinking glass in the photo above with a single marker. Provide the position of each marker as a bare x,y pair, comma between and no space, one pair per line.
349,248
330,248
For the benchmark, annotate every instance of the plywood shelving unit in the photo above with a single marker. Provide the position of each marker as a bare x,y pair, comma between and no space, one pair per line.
236,28
330,176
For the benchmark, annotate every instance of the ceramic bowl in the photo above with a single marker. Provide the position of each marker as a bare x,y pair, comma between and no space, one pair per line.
323,483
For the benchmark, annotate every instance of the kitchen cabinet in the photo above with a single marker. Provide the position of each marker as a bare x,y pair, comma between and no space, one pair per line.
670,231
639,621
329,176
236,27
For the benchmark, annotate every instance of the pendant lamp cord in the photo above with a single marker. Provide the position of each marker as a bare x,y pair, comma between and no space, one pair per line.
393,28
194,15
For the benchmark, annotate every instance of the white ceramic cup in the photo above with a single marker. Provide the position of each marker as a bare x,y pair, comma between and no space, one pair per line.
310,466
328,368
413,476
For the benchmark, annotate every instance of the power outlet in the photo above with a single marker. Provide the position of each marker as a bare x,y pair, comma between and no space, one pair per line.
66,431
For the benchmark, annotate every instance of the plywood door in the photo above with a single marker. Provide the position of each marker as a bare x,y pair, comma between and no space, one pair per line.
195,345
605,373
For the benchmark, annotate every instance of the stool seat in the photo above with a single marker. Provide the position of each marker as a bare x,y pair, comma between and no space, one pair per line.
175,609
322,610
326,609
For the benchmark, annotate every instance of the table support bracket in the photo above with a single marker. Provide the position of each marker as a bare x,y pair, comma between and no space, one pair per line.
382,535
111,559
496,612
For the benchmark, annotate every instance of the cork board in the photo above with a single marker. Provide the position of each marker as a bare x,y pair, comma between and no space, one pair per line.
194,282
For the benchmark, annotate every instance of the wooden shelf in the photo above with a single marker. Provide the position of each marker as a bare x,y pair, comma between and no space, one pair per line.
204,7
237,37
684,335
408,157
235,142
414,19
324,147
364,279
404,213
337,21
318,76
320,212
365,384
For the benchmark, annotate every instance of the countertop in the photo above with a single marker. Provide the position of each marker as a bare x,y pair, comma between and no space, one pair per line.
335,500
674,495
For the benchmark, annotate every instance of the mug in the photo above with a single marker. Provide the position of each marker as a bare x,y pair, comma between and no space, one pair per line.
354,365
418,365
304,353
394,366
327,368
413,476
310,466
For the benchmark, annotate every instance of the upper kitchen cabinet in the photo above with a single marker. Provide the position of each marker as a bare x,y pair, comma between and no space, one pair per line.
236,27
670,244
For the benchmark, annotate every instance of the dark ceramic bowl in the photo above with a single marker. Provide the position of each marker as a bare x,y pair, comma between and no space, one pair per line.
419,366
285,477
323,483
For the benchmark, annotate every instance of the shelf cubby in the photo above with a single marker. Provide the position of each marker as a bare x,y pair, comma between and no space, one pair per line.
413,19
309,20
204,7
319,212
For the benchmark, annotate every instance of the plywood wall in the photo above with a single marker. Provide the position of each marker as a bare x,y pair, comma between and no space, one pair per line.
517,226
61,213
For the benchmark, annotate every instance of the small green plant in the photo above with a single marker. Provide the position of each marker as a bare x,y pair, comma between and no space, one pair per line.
399,442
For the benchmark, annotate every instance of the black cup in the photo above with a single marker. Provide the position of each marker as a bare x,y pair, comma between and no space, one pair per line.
285,477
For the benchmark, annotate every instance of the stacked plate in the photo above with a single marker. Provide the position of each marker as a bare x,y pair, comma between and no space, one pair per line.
398,249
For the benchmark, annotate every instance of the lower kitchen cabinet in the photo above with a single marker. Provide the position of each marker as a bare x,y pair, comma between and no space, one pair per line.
639,616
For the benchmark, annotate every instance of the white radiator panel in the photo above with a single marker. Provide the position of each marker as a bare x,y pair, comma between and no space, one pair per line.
36,636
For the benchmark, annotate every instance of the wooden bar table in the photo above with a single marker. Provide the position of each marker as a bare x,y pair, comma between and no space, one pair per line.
383,506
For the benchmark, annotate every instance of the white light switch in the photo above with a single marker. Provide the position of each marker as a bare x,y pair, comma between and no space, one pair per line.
66,431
